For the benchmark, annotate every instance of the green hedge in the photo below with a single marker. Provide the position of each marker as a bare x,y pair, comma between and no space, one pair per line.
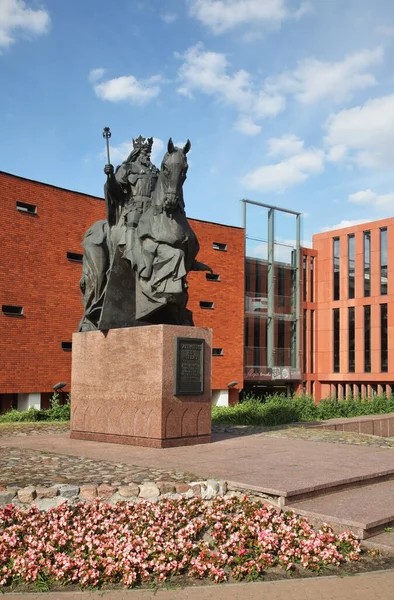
280,410
57,412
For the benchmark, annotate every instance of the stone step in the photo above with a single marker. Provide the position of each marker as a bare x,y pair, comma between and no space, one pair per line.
366,510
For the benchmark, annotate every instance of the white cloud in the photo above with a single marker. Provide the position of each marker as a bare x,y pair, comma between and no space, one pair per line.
168,17
209,73
287,173
298,164
287,145
121,152
313,80
346,223
128,88
96,74
222,15
16,17
366,132
369,198
336,153
247,126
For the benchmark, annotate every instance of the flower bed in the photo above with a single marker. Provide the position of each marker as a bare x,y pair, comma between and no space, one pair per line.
94,544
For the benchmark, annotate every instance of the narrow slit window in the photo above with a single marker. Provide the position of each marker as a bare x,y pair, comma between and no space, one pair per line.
217,352
9,309
206,304
67,346
219,246
212,276
28,208
74,257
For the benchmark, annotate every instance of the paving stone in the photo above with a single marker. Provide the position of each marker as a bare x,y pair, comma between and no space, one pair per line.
182,488
128,491
69,491
196,488
48,503
46,492
210,490
88,492
27,494
106,491
149,491
6,497
166,487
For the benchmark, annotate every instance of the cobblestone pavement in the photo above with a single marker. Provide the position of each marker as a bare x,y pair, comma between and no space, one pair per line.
39,428
303,433
30,467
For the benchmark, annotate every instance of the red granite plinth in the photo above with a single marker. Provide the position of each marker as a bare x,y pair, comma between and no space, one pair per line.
122,388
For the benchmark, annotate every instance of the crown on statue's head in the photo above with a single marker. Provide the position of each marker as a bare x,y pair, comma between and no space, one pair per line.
142,142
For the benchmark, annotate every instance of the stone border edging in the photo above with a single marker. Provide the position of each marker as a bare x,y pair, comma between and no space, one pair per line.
45,498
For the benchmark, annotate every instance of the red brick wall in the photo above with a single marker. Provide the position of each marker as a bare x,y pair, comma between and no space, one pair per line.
35,274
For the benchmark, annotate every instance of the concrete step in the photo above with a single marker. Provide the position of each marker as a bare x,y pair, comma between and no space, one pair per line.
366,510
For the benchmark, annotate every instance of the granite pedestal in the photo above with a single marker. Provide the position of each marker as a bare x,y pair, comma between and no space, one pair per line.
123,384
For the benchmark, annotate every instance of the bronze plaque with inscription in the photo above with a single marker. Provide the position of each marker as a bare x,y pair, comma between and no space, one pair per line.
189,367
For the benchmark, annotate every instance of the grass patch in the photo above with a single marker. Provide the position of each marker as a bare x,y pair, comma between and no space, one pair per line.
280,410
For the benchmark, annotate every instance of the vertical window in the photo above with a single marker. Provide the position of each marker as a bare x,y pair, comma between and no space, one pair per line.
336,329
256,342
350,241
311,340
304,274
312,280
367,339
336,267
383,261
258,279
367,263
281,344
383,339
304,354
351,340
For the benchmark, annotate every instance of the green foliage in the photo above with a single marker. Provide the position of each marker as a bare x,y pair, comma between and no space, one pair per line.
280,410
56,412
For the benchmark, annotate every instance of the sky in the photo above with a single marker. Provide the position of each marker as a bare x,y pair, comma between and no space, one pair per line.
286,102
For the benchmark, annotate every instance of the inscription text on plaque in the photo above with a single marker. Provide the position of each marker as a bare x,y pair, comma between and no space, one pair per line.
189,367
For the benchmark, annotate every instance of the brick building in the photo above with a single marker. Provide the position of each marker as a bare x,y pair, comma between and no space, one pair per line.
40,267
328,327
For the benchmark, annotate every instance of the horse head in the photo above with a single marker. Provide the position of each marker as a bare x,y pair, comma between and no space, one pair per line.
173,174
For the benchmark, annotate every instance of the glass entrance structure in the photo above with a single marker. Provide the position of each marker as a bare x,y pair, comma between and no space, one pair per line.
272,299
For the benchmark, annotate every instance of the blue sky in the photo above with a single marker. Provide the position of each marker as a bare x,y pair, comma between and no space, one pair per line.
288,102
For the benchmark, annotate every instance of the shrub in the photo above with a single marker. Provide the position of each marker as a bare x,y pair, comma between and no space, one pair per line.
56,412
280,410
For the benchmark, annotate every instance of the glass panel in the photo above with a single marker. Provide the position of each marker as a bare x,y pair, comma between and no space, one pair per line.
304,349
304,278
367,263
383,339
311,341
336,340
311,281
336,267
383,261
367,339
351,340
351,265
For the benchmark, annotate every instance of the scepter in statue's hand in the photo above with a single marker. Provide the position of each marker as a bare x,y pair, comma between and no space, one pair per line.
108,169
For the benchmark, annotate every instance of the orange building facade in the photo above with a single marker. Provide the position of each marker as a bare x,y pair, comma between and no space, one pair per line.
40,268
354,325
